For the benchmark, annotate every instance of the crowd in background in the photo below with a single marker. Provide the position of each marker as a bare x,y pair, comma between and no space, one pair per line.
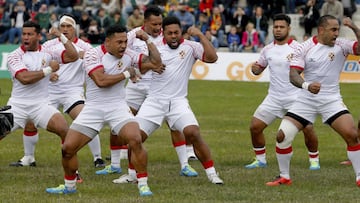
237,24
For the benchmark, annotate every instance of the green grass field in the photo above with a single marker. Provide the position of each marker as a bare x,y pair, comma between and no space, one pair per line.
224,110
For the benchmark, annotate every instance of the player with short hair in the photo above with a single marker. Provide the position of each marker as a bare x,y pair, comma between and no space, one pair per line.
31,65
136,94
167,100
66,90
281,94
321,59
108,67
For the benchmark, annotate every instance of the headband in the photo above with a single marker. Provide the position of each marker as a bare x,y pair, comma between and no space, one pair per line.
68,20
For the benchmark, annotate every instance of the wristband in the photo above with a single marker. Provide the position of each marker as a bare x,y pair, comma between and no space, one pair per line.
47,70
63,39
148,41
126,74
305,85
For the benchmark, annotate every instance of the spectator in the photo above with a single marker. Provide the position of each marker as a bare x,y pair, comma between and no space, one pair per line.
193,7
206,6
43,19
261,24
127,7
94,33
311,16
212,39
116,18
136,19
84,22
103,21
250,39
203,23
110,6
334,8
186,18
239,20
17,17
91,6
5,25
349,7
217,26
54,22
65,6
233,40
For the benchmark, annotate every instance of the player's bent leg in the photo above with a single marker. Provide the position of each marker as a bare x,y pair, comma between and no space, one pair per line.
58,125
257,127
311,142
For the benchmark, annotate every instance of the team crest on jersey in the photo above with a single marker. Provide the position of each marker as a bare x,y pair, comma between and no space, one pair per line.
120,64
331,56
182,54
290,57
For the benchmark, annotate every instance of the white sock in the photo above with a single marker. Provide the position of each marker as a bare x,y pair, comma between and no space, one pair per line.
284,163
314,156
354,157
260,154
29,142
95,147
115,158
182,155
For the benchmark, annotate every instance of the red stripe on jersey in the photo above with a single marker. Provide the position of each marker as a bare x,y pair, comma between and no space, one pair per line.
353,148
284,151
297,67
21,70
140,59
62,56
94,69
354,48
177,144
103,49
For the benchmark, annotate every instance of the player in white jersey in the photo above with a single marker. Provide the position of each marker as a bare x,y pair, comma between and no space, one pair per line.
167,98
30,66
281,94
136,94
66,90
321,59
108,66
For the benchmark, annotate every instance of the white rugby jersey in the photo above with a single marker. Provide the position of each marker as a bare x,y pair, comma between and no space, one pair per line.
173,82
140,46
322,63
98,57
72,74
21,60
277,58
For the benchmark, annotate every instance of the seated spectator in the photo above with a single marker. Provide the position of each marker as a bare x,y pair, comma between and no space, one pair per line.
136,19
17,18
250,39
260,21
186,18
43,18
233,40
5,25
212,39
349,7
217,26
203,23
84,22
103,21
116,18
93,33
311,16
334,8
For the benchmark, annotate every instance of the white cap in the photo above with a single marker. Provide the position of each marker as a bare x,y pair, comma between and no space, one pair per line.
68,20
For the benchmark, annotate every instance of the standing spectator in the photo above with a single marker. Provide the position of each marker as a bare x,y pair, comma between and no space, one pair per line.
5,25
136,19
103,21
233,40
217,26
334,8
311,16
250,39
17,17
186,18
349,7
320,59
239,20
261,24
